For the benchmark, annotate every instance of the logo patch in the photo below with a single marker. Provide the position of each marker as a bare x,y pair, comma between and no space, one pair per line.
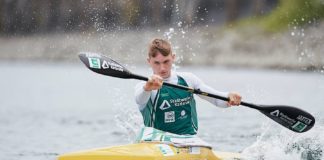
304,119
105,65
164,94
275,113
165,105
169,117
165,149
183,115
94,63
183,112
299,126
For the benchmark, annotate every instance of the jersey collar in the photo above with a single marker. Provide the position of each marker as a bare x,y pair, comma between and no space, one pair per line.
173,77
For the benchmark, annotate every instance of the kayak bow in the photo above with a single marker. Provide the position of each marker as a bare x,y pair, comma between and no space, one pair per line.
154,144
149,151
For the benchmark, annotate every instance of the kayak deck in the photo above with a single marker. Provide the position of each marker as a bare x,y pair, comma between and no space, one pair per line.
149,151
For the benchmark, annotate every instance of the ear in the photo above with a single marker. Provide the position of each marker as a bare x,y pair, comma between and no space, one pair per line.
173,57
148,60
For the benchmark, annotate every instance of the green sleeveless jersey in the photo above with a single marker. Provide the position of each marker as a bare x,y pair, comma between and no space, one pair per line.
173,110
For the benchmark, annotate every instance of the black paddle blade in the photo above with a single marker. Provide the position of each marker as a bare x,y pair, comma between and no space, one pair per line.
292,118
104,65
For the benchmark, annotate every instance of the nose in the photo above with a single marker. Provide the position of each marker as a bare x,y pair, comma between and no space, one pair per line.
162,67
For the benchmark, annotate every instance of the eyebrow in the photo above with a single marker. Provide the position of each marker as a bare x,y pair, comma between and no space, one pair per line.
162,61
166,61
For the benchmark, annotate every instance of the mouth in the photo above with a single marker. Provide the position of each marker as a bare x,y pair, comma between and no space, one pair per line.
163,74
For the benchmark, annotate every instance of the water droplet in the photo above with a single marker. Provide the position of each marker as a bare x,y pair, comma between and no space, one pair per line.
292,33
302,19
300,59
169,33
180,24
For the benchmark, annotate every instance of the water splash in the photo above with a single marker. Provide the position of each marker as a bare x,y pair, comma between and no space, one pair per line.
169,34
130,122
286,145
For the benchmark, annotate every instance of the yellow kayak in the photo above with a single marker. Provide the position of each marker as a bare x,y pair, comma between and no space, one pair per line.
149,151
153,144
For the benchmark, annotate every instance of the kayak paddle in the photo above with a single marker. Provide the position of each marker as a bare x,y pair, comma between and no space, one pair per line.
292,118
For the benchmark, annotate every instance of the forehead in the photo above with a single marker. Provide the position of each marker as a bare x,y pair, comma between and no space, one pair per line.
160,58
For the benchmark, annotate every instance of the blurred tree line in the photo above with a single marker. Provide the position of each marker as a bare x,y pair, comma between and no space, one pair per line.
293,13
42,16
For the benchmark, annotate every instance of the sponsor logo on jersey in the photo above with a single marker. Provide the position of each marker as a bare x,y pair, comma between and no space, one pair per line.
183,114
169,117
165,105
180,101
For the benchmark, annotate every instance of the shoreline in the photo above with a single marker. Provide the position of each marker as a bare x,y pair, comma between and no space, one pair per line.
296,49
134,67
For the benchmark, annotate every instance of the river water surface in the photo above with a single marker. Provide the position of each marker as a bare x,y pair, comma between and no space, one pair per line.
51,109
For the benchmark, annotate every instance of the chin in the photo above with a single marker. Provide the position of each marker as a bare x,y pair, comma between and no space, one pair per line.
164,76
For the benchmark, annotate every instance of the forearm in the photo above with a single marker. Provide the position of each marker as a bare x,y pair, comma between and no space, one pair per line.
216,102
141,96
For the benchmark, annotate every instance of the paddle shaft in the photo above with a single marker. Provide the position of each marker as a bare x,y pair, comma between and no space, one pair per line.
285,115
196,91
292,118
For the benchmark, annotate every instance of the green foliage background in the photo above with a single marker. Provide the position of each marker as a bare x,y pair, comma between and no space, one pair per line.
289,13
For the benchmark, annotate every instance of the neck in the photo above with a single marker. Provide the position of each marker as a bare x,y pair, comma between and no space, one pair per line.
170,76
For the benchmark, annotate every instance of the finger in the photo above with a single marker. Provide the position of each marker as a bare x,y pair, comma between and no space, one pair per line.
149,79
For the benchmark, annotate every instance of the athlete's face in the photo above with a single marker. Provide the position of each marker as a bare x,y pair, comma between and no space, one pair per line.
161,65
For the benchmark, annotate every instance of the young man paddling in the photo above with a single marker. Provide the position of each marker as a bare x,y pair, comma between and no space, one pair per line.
170,109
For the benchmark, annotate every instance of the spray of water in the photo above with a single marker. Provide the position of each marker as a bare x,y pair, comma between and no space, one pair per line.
275,143
130,122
